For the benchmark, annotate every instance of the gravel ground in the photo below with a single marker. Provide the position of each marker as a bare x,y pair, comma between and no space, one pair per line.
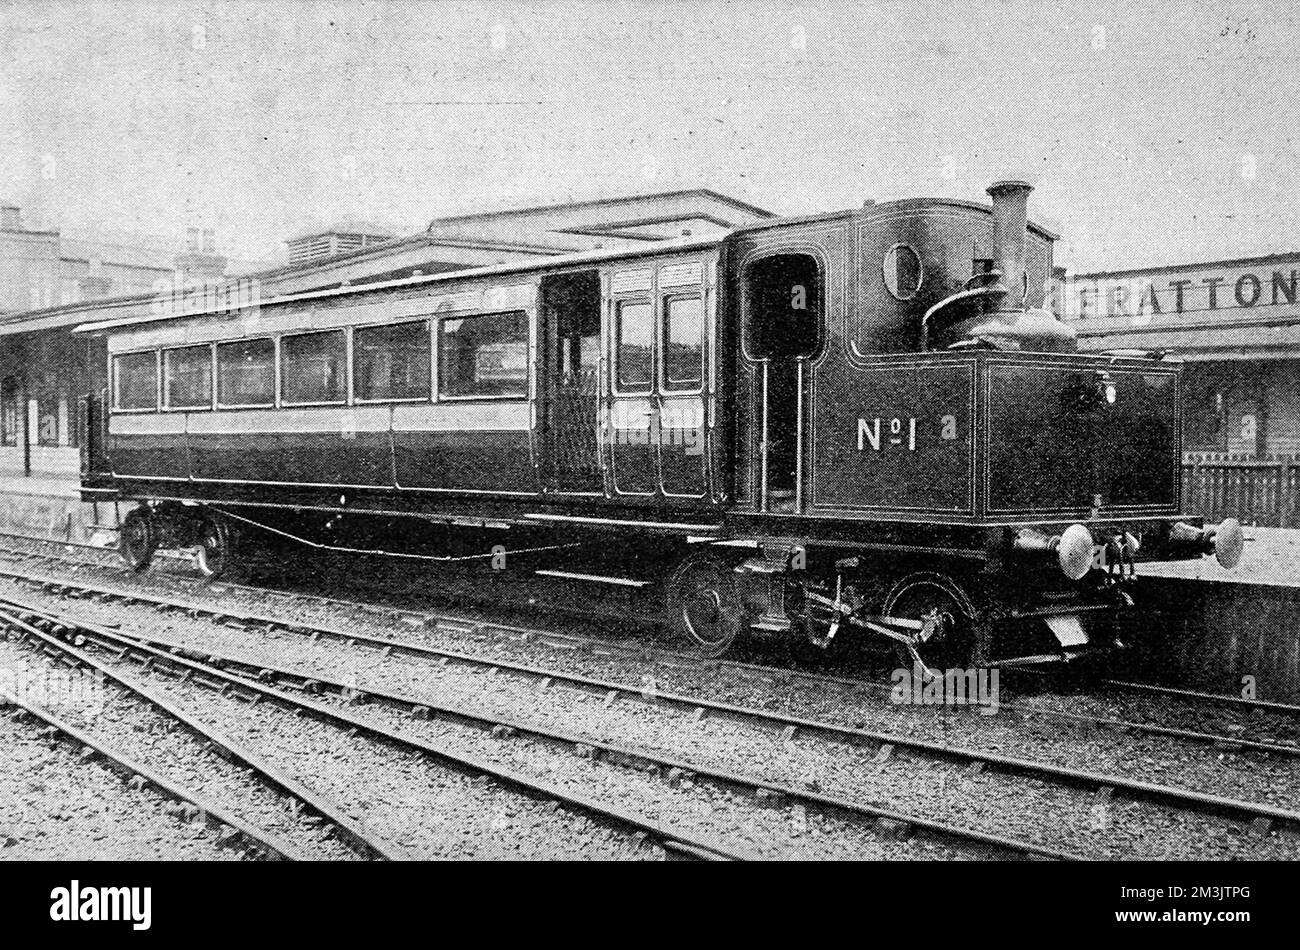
1275,780
1055,816
152,737
420,807
735,820
1199,767
1259,725
56,806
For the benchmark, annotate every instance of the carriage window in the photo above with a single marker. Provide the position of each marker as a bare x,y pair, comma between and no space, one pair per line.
391,362
313,367
246,373
135,381
484,356
187,375
632,342
784,306
683,343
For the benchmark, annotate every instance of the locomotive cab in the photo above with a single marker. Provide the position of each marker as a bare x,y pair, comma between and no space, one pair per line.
925,452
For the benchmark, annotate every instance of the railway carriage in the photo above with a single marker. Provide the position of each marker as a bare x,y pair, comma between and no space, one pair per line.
855,424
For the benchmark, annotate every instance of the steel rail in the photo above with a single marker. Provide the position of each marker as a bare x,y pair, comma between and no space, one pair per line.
204,673
256,675
645,652
1162,794
441,621
684,659
351,829
259,839
1288,709
463,624
1186,799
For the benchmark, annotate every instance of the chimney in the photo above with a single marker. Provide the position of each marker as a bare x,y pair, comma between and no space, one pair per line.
1002,320
1010,218
11,218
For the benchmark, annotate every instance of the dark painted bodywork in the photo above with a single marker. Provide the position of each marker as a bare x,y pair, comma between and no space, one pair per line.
899,450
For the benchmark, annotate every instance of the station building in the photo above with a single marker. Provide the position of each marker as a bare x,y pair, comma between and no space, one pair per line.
43,271
44,370
1236,325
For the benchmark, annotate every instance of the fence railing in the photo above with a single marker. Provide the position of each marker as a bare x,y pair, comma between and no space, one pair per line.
1260,490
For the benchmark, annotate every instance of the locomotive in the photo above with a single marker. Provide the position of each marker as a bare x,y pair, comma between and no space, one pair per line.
857,424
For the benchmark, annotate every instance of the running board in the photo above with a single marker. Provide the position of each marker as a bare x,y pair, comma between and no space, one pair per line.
595,578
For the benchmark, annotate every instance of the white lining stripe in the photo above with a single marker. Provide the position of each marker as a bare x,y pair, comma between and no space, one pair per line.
325,419
500,416
466,417
164,423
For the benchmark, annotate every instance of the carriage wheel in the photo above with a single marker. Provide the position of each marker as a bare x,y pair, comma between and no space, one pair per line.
704,604
935,596
215,554
136,539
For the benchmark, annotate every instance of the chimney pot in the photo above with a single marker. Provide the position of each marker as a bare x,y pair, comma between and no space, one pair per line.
1010,219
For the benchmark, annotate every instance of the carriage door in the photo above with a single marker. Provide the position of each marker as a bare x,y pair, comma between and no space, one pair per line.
679,400
570,306
783,316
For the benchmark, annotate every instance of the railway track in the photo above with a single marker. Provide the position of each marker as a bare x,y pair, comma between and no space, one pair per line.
645,651
347,827
125,647
1255,814
260,842
465,624
255,676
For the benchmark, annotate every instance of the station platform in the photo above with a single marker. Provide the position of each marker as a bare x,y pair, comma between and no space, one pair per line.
1272,558
51,507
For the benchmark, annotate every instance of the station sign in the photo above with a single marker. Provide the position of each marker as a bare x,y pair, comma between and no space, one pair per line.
1182,294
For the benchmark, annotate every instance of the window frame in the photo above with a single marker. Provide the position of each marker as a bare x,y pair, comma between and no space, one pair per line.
436,350
664,326
165,397
893,250
428,322
275,374
746,301
116,385
280,373
615,345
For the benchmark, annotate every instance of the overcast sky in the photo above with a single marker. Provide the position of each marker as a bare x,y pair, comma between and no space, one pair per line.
1159,132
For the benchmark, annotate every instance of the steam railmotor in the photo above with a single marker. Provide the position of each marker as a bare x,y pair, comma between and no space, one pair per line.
863,423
